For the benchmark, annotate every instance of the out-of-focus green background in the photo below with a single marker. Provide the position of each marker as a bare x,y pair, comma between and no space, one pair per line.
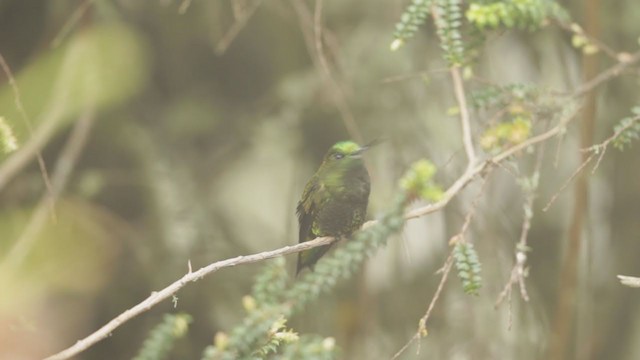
206,125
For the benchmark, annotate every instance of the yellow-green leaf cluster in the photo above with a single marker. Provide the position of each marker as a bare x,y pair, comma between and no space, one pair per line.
521,14
507,133
418,181
8,141
580,41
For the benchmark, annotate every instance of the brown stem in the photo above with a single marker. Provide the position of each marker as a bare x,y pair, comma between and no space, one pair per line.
561,347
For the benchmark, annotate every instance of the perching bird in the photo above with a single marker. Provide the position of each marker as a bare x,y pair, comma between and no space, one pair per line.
334,201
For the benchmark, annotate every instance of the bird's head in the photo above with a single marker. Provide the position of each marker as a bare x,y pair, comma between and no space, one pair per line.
342,156
344,150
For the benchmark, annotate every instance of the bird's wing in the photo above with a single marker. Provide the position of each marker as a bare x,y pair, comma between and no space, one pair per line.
307,208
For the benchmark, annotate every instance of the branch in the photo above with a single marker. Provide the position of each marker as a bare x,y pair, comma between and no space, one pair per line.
65,164
472,172
73,20
314,36
158,296
222,46
602,147
630,281
458,88
446,268
27,122
422,324
625,62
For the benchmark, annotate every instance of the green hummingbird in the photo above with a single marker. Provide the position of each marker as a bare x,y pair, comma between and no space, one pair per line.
334,201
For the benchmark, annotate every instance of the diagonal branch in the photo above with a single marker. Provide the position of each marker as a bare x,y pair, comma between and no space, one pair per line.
158,296
608,74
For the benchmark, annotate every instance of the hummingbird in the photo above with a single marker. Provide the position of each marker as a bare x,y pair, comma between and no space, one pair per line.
334,201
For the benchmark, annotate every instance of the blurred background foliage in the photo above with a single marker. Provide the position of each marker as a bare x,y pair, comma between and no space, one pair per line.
207,120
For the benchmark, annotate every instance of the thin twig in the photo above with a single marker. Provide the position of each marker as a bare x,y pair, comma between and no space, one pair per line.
27,122
235,29
467,140
311,25
518,272
607,75
446,268
601,148
64,165
51,117
567,182
338,93
419,74
422,324
470,173
71,22
598,43
184,6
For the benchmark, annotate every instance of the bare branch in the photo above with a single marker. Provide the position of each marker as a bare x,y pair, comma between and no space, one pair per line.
184,6
422,324
602,147
234,30
630,281
625,62
577,30
568,181
158,296
458,88
446,268
314,40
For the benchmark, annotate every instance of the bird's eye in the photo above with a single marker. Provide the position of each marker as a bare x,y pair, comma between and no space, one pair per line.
338,156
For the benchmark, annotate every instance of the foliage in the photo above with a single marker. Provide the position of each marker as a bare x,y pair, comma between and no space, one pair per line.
8,141
270,284
519,14
448,20
516,108
414,16
627,130
507,133
161,338
503,96
418,181
468,267
579,40
309,347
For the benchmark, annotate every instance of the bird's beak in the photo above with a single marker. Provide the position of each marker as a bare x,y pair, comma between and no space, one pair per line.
360,151
373,143
367,147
